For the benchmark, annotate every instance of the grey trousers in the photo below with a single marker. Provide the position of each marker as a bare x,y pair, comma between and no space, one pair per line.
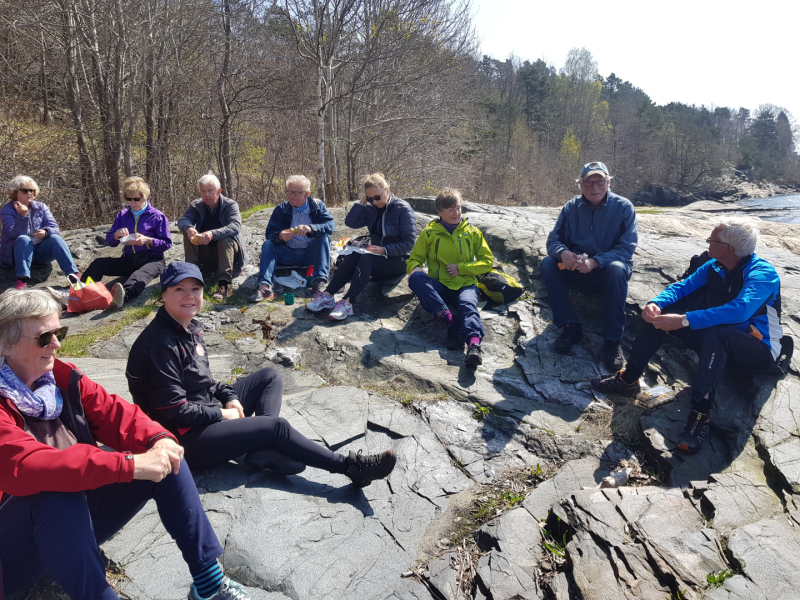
222,257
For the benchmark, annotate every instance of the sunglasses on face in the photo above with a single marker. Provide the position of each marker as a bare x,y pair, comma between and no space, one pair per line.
26,191
372,199
45,337
133,199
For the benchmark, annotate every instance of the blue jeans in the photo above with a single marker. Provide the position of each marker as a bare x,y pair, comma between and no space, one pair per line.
50,248
59,532
611,281
435,296
317,253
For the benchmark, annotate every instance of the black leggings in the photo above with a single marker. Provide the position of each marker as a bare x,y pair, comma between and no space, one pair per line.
357,269
140,269
261,395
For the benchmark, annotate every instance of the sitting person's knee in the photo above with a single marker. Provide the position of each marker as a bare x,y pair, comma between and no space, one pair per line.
617,269
548,266
416,278
23,240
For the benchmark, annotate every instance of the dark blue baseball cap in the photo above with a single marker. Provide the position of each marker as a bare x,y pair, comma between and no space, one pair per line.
177,272
592,168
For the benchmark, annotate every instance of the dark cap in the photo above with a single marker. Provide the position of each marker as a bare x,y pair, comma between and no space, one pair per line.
177,272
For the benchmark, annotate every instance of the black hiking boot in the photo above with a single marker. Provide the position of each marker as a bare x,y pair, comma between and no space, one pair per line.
614,384
612,355
363,469
695,432
570,335
474,356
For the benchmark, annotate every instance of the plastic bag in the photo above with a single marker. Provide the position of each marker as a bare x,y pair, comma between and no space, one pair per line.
88,296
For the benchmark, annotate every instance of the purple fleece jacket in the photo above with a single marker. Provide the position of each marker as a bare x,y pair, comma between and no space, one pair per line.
38,217
152,223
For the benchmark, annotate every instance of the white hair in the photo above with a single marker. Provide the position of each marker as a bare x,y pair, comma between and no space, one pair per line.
741,234
18,306
209,179
18,182
300,180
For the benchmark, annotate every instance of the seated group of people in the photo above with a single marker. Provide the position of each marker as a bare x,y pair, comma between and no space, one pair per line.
64,495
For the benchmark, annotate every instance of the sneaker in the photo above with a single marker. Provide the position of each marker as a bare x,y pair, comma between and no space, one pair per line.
570,335
21,285
74,278
60,296
695,432
612,355
614,384
263,292
341,311
454,338
229,590
270,459
320,302
318,284
474,356
118,293
364,469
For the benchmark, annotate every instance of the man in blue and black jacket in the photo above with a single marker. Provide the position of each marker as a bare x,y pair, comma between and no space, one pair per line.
728,310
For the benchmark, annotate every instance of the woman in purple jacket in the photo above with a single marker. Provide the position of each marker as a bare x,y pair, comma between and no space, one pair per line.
145,231
30,233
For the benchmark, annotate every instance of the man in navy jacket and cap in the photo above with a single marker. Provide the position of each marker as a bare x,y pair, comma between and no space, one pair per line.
591,247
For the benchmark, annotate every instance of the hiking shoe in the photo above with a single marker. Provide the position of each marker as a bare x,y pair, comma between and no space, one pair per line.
229,590
60,296
364,469
224,291
474,356
612,355
118,293
270,459
571,334
318,284
614,384
21,285
73,278
263,292
454,337
695,432
341,311
320,302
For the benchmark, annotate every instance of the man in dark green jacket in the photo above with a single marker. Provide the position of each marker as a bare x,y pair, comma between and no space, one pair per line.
456,253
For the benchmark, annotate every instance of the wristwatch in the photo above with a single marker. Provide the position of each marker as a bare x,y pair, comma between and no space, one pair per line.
685,322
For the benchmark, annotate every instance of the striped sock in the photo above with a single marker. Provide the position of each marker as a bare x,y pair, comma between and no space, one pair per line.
208,580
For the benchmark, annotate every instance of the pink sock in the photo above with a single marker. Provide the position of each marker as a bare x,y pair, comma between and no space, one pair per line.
447,318
474,341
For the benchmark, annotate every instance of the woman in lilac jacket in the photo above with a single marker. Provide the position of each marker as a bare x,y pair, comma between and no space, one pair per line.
144,233
30,233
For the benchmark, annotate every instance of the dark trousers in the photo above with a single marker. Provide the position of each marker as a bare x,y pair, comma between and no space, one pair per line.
140,268
716,346
611,281
357,269
260,395
435,296
59,532
221,255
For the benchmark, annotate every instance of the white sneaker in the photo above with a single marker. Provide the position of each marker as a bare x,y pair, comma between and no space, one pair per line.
60,296
118,293
320,302
341,311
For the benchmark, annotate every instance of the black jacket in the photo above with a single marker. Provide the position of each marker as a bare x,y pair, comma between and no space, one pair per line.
399,224
170,379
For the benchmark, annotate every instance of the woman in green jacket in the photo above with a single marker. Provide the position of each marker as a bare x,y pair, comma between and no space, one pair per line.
455,253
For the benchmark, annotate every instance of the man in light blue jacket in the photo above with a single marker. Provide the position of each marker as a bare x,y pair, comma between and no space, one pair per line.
728,310
591,246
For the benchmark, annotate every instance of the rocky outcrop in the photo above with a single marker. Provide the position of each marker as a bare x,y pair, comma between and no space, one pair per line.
384,378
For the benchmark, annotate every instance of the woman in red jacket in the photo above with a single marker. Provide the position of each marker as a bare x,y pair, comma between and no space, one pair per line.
67,495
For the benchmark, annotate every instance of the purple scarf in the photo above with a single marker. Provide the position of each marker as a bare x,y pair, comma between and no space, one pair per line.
44,403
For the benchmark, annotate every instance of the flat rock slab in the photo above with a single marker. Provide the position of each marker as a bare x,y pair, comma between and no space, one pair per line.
778,429
312,536
637,542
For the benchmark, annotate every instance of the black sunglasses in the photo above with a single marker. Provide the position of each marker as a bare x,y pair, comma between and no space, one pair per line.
26,191
372,199
133,199
45,337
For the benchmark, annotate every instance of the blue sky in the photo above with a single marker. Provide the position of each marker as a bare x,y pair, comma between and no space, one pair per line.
734,53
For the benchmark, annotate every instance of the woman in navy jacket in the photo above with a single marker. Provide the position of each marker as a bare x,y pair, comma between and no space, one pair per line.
30,233
393,229
142,257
